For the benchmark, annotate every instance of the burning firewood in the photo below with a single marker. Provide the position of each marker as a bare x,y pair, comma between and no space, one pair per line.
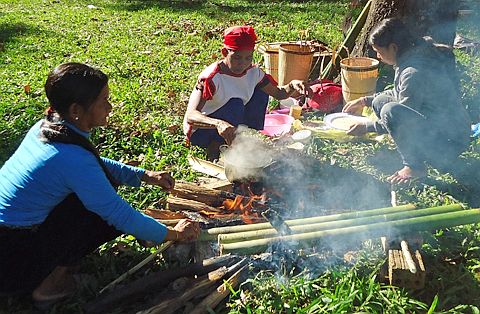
178,204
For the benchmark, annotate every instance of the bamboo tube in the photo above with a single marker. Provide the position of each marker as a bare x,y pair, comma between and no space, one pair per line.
391,228
268,233
212,233
408,257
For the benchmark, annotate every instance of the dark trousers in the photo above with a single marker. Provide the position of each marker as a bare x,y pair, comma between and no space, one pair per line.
235,112
69,233
420,139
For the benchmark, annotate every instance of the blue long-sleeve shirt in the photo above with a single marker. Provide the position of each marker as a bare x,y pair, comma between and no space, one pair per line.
38,176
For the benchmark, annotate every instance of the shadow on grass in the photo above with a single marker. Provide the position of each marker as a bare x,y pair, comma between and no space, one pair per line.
448,257
216,8
11,31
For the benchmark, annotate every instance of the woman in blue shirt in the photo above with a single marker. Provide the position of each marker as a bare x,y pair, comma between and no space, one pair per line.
58,199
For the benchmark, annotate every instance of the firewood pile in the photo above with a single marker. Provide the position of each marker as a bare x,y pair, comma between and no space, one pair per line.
195,288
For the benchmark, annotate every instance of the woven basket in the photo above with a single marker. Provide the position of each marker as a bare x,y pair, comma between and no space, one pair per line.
359,77
294,62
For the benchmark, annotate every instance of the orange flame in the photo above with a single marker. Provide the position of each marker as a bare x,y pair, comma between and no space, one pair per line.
243,206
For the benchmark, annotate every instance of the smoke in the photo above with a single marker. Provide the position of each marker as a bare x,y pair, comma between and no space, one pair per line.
247,155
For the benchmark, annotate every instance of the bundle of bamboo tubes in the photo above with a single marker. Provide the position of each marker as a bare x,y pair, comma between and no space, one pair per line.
361,225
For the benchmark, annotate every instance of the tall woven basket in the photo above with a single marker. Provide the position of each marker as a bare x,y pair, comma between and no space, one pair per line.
359,77
294,62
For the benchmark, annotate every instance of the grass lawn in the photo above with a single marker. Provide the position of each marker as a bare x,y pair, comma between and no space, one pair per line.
153,52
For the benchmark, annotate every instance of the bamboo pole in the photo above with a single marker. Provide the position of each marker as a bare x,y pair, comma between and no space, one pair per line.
149,258
408,257
348,42
212,233
268,233
362,232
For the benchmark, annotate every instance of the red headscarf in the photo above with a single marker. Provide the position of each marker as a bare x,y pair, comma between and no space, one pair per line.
239,38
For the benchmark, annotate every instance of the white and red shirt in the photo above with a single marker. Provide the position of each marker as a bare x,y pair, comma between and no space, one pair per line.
219,87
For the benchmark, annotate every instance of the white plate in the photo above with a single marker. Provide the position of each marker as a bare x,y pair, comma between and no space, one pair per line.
330,120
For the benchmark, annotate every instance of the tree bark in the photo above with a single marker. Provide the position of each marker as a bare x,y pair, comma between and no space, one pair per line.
435,18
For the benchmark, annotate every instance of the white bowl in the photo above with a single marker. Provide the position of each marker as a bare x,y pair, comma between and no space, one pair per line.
302,136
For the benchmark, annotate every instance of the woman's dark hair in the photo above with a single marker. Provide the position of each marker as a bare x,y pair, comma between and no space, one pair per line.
392,31
72,83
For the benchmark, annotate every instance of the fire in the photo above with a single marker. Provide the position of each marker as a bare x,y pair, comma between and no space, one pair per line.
245,206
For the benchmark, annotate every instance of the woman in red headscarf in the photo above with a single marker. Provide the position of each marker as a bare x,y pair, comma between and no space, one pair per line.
230,92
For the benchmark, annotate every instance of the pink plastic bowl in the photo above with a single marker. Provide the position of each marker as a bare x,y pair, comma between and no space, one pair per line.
277,124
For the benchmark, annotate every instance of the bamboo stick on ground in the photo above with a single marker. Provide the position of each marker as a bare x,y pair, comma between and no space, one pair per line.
162,248
408,257
268,233
362,232
137,289
211,234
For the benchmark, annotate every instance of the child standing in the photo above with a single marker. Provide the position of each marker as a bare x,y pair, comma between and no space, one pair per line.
230,92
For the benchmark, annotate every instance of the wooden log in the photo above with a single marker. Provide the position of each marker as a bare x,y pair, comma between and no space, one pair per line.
362,232
171,305
135,268
330,225
155,281
212,233
178,204
206,195
210,302
196,287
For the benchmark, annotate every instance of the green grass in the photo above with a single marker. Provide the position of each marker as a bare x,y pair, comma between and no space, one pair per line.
153,52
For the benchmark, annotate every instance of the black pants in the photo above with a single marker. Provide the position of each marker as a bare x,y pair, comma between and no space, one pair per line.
418,138
69,233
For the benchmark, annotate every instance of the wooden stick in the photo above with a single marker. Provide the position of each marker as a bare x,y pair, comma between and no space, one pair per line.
177,204
171,305
197,286
408,257
154,282
210,302
162,248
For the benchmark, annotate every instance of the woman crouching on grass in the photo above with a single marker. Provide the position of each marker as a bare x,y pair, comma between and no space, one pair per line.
422,112
58,199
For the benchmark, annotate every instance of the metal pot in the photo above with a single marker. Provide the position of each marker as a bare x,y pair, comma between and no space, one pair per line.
237,171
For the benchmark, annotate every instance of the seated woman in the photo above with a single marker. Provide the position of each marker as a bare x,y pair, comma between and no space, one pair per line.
58,199
422,112
232,92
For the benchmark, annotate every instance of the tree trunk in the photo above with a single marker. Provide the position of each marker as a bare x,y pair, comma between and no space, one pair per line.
435,18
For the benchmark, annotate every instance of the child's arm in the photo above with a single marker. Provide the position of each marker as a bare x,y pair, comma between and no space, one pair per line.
198,119
294,88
